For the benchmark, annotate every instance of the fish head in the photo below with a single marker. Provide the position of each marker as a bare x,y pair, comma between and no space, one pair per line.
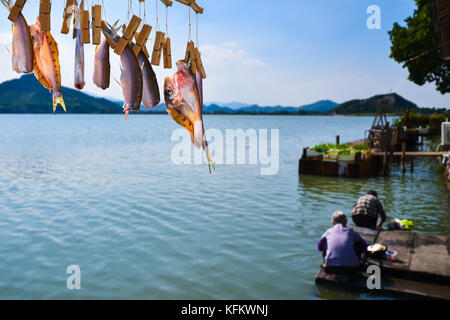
172,95
184,76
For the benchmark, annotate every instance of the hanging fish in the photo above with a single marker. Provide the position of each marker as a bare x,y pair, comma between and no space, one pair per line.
150,92
131,79
184,104
102,67
79,58
46,62
22,46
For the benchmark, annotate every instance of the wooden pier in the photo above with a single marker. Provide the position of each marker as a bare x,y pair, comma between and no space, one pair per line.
421,270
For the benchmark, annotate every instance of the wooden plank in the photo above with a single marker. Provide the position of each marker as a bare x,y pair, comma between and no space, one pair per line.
411,154
157,48
65,28
16,9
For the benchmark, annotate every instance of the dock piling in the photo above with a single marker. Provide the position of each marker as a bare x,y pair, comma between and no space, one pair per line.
403,157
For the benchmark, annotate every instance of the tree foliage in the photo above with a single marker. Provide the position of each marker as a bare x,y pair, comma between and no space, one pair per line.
417,48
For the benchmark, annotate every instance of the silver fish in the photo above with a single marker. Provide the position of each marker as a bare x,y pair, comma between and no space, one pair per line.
22,45
102,67
79,60
131,79
150,93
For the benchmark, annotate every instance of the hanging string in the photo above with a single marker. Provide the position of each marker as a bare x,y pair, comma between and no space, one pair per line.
189,37
157,18
167,21
104,10
145,13
196,30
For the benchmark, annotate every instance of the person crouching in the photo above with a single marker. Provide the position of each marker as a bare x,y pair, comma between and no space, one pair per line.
341,247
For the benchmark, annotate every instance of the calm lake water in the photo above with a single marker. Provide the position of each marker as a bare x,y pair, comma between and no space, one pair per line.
103,193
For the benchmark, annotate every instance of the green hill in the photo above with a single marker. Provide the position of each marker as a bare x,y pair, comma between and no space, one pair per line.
392,103
27,95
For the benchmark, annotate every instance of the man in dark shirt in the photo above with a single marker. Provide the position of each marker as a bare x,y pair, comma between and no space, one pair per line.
342,247
366,211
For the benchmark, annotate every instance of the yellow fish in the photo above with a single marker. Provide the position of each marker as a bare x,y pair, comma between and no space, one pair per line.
46,67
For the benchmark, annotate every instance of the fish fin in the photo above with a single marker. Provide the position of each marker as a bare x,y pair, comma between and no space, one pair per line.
127,112
8,4
56,101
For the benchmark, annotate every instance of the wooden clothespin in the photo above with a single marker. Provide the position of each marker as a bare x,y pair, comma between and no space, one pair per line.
67,15
157,48
16,10
167,54
85,26
199,63
77,16
128,34
141,39
144,48
96,24
189,51
44,13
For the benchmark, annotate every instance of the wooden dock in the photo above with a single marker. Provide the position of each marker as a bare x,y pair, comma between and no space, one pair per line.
422,268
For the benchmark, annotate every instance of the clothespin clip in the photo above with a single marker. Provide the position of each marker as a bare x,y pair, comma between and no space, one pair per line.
141,39
157,48
44,13
96,24
189,52
85,26
199,63
16,10
167,54
128,34
67,15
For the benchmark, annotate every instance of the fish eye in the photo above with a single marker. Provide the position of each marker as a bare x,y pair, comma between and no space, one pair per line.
169,91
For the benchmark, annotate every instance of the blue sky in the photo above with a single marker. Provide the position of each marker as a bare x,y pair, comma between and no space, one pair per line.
288,52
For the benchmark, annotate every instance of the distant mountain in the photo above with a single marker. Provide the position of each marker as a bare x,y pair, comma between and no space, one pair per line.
392,103
322,106
231,105
27,95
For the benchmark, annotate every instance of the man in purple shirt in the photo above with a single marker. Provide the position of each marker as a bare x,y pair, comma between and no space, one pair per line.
342,247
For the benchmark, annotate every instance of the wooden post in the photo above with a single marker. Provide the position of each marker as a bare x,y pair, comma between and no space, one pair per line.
338,140
44,14
412,164
304,154
16,10
403,157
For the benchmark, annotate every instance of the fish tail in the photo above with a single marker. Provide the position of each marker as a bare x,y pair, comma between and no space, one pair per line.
8,4
210,161
58,99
